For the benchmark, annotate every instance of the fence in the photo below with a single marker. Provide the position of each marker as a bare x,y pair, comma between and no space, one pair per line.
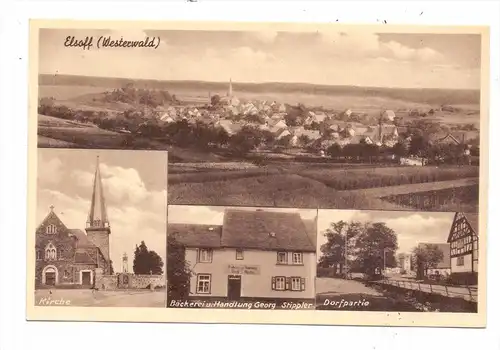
464,292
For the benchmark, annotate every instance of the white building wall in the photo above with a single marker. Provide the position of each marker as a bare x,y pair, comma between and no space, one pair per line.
252,285
466,267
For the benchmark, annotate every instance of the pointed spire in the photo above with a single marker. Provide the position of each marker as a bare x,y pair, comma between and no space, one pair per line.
97,215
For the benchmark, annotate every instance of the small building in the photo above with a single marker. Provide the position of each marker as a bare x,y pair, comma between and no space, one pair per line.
253,255
443,267
405,262
229,126
464,248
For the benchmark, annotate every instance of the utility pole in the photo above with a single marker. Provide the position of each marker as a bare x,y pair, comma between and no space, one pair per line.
345,252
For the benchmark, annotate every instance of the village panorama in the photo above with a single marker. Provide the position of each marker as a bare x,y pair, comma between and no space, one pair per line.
278,145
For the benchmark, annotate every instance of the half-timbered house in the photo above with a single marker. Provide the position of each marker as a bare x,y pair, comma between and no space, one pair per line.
464,248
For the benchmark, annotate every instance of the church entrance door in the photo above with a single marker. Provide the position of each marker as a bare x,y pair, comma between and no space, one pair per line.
86,278
50,278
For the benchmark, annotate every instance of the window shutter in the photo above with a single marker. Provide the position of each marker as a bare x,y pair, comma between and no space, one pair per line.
287,283
273,283
302,284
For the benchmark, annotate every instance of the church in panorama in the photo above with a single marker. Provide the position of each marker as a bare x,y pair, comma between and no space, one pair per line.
68,257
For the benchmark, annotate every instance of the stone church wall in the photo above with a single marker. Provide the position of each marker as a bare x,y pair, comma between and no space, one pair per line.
106,282
128,281
145,281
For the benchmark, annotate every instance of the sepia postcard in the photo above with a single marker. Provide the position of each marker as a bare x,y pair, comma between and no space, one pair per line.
397,261
343,118
100,238
317,173
241,258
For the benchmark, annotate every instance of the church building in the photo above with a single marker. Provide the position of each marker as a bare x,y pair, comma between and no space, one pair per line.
230,100
67,257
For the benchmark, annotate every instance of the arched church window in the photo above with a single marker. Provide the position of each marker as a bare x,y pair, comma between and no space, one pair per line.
38,255
51,229
50,252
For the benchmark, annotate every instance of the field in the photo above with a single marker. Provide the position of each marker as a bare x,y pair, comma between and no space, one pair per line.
326,186
198,177
449,199
209,180
68,92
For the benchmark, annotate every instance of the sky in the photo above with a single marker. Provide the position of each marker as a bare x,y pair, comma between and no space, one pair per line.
134,188
411,228
341,58
214,215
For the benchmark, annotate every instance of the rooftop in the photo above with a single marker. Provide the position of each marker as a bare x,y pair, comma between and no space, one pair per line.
251,229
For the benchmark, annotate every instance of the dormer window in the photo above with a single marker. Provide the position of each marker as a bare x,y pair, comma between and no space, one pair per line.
50,252
51,229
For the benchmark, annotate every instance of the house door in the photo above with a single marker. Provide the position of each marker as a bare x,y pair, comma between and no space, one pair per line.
86,278
234,287
50,278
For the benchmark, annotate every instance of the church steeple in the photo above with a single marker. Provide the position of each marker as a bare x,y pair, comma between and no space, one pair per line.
97,218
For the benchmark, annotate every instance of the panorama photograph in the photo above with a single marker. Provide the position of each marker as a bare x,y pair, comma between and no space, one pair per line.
343,120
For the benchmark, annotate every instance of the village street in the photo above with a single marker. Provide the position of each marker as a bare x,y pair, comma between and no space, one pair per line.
342,295
85,297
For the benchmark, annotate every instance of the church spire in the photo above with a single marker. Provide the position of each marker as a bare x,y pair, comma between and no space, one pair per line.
98,218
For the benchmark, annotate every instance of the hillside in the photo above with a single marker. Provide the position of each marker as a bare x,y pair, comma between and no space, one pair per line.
427,96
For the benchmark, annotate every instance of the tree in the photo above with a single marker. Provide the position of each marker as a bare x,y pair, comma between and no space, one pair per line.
336,249
147,262
419,145
111,269
426,257
304,140
247,139
178,270
400,150
293,119
215,100
334,151
376,246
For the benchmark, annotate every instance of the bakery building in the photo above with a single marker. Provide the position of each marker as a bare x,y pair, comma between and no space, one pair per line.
253,255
